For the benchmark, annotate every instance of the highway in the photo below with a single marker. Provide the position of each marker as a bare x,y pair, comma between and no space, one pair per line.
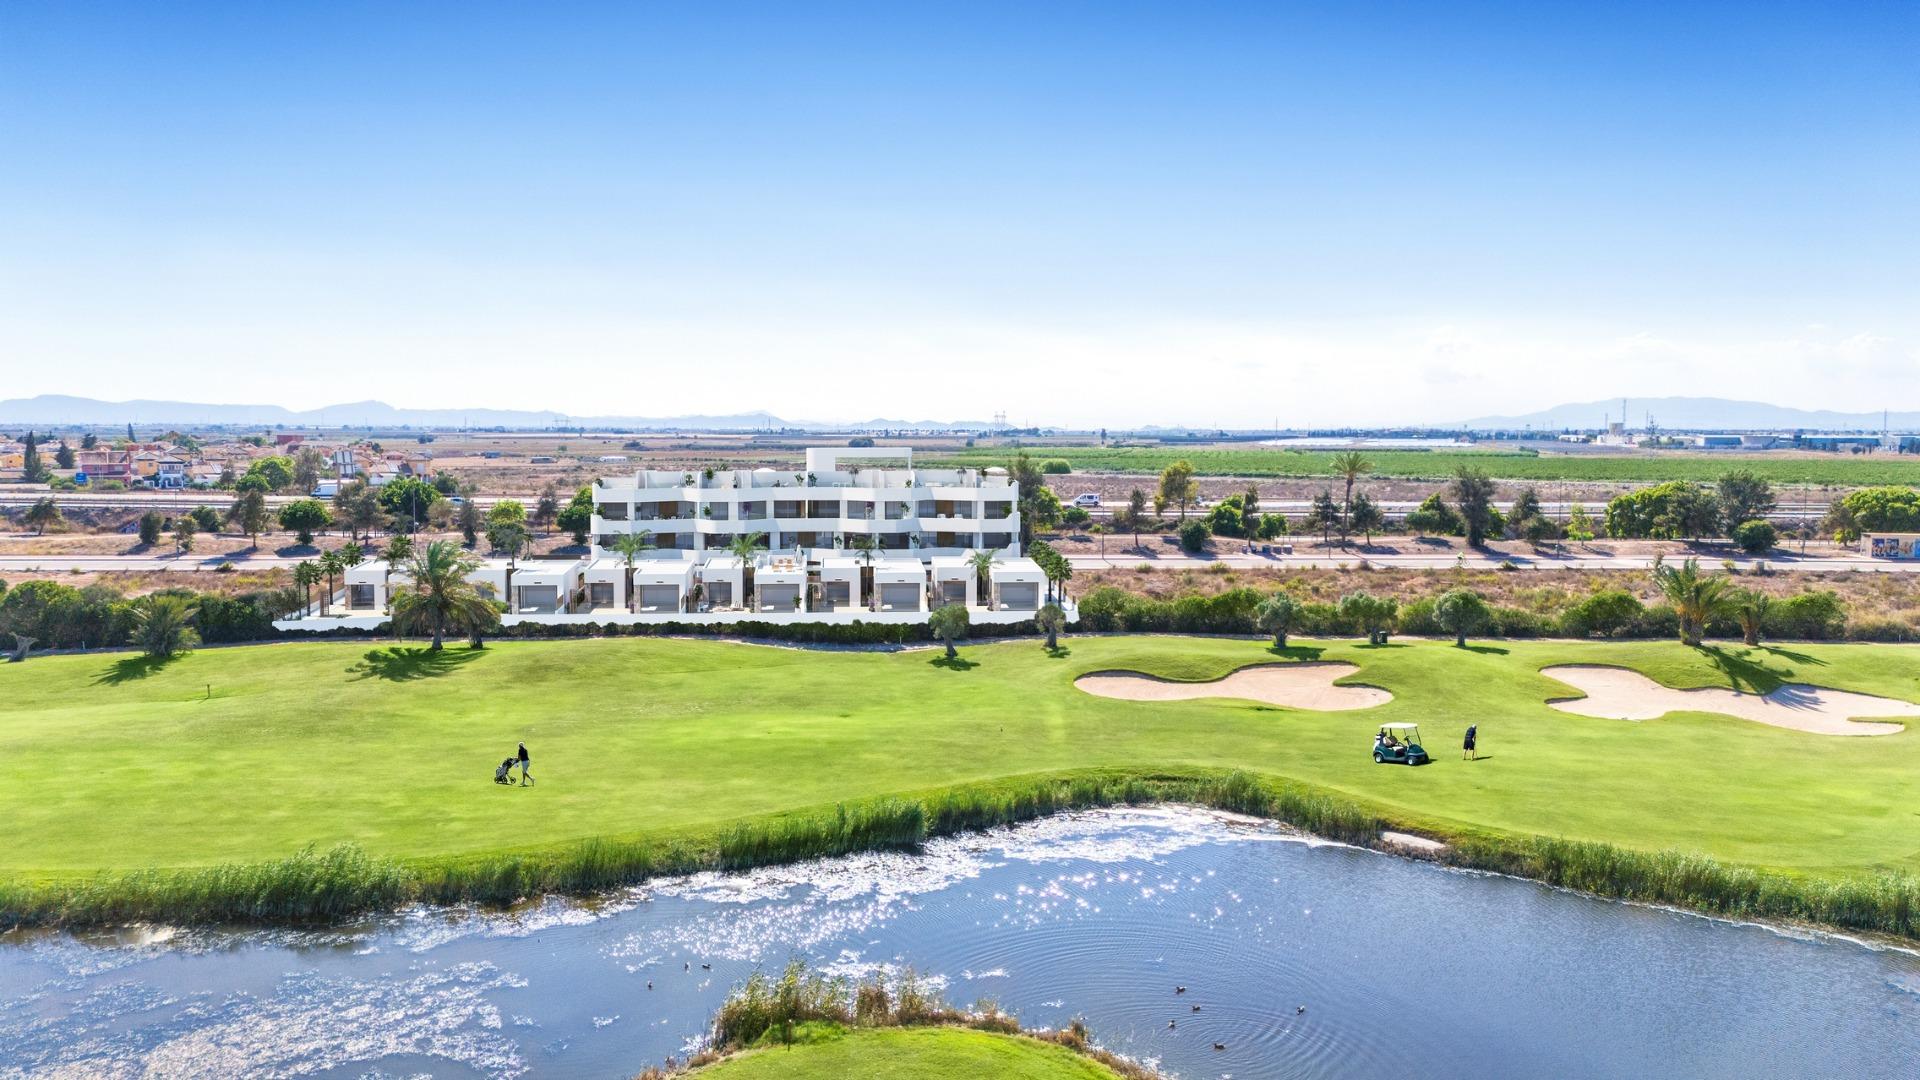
1573,559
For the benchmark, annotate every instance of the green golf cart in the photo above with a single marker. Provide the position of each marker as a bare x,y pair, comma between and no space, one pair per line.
1399,744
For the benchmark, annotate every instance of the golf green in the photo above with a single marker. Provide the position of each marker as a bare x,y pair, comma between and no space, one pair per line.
250,753
935,1053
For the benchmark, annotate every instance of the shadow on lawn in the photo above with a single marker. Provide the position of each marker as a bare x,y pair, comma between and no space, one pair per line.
403,663
1743,674
955,663
1487,650
1059,652
131,669
1296,652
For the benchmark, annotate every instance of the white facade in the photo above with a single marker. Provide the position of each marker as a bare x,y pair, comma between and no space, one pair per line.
809,563
816,510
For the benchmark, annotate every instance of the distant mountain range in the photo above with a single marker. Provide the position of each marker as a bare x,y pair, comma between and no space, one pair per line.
51,410
1696,413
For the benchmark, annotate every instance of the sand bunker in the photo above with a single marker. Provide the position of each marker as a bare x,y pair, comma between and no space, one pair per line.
1297,686
1619,694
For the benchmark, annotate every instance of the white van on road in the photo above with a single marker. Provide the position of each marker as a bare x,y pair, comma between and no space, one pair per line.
1087,500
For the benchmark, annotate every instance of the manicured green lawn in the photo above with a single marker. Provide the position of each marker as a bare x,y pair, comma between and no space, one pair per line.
113,763
912,1054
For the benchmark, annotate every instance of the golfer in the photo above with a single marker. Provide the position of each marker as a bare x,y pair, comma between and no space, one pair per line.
527,777
1466,748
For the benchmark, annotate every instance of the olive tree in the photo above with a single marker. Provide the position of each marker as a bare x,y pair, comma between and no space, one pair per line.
1276,616
950,624
1461,612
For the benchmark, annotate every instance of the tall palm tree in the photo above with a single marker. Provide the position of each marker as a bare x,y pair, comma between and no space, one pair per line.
744,547
399,549
1696,598
332,565
1349,465
982,563
441,598
629,546
305,576
865,544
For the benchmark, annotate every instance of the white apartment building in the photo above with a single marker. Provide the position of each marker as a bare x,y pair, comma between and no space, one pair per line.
841,494
857,534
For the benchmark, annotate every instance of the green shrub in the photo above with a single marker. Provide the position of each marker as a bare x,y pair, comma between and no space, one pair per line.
1819,615
1193,536
1055,467
1754,537
1607,613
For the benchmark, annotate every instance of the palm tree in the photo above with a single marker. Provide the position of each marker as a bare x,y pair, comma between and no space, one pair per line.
1696,598
1750,610
744,547
441,598
332,564
163,625
399,550
1349,465
1051,620
982,563
305,576
629,546
866,544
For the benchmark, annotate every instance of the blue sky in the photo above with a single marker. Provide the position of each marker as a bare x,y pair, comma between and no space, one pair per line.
1102,213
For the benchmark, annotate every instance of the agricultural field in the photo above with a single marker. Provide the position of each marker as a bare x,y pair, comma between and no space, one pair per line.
1820,470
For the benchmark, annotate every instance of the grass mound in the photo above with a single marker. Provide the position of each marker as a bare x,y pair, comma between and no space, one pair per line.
804,1024
938,1053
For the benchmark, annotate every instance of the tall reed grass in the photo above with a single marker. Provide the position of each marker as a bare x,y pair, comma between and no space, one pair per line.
344,880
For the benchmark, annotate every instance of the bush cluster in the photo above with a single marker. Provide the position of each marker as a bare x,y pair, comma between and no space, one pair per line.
1817,615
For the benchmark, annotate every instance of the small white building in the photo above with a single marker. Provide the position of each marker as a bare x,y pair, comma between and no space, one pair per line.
663,583
723,583
492,577
899,585
545,587
368,588
1018,585
837,586
954,580
606,580
779,581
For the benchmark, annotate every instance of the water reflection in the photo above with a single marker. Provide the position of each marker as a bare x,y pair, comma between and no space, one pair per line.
1304,959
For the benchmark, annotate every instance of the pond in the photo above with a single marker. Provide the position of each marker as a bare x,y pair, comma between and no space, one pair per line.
1303,959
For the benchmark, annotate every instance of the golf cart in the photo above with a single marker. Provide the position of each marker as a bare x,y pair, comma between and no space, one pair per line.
1399,744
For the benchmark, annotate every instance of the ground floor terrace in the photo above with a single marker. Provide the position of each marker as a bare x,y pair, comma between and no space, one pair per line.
823,585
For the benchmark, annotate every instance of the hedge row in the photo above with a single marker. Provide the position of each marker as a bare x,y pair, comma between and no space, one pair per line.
1818,615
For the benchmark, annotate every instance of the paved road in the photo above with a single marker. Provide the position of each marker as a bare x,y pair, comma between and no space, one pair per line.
265,560
1572,560
262,560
